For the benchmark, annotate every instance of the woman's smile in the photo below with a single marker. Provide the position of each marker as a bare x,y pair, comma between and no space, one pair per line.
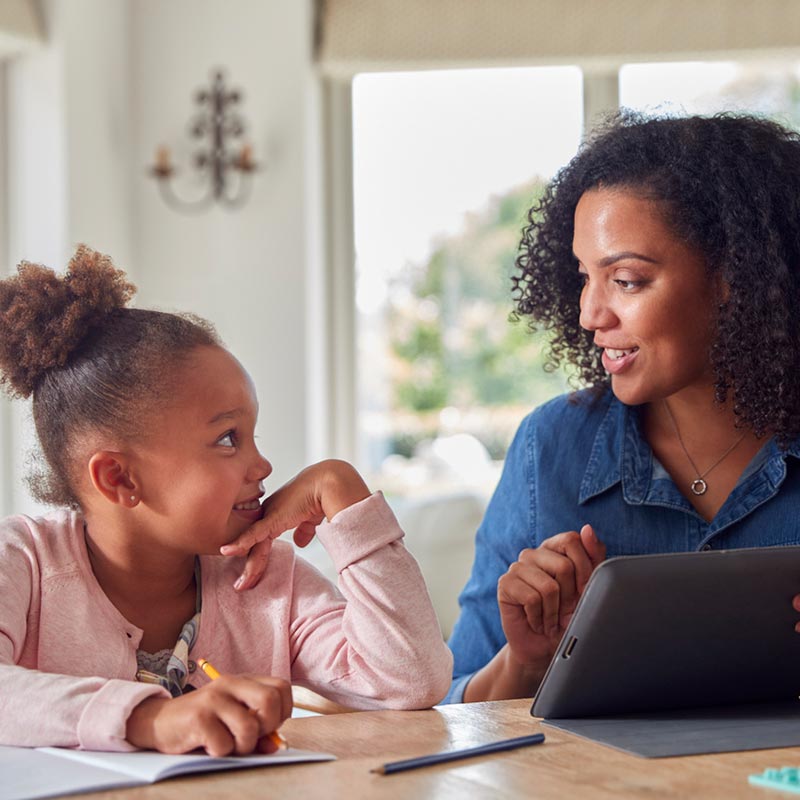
647,296
615,361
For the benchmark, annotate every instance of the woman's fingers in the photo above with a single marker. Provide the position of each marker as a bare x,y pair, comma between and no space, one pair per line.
553,576
595,549
521,599
544,585
571,545
520,610
542,582
584,549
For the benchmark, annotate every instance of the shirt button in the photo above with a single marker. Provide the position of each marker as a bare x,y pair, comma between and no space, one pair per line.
192,666
706,547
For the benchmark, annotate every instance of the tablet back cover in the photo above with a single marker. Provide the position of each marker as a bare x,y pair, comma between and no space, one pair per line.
679,631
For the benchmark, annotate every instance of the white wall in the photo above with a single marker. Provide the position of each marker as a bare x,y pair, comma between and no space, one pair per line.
244,269
115,79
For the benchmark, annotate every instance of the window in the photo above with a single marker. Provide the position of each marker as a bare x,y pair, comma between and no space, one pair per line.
446,165
707,87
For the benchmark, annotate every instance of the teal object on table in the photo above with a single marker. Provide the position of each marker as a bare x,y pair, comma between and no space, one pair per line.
786,779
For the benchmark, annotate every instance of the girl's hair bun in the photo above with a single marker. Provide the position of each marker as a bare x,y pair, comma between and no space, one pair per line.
44,317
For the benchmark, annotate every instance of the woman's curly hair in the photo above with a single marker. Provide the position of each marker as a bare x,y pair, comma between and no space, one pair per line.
91,364
729,185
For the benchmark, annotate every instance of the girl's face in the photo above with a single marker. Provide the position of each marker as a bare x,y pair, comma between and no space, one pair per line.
198,468
647,297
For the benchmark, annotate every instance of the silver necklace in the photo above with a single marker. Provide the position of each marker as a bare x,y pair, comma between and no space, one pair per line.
698,485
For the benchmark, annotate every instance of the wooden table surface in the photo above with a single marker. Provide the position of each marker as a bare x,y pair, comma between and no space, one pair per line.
563,767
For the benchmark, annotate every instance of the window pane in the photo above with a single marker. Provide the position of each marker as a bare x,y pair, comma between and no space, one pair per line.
707,87
446,165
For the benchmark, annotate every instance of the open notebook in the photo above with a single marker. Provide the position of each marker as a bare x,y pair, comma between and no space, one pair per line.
50,771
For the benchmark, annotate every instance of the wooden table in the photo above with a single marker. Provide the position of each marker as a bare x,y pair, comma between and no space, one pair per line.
563,767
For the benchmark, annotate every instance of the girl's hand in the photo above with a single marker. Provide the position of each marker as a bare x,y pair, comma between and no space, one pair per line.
318,492
233,714
541,590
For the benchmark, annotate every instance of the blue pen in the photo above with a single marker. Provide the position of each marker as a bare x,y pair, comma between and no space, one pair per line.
454,755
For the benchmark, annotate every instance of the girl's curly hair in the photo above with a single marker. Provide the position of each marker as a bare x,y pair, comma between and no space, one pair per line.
90,363
729,185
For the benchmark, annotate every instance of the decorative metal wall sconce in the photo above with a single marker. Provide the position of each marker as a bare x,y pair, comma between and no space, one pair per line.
227,171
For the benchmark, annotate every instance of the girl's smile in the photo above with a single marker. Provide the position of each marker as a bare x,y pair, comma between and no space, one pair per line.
249,510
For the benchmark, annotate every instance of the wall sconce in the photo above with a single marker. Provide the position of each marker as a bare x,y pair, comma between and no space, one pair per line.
227,171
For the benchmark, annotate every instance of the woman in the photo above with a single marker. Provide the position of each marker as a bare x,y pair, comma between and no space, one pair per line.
665,259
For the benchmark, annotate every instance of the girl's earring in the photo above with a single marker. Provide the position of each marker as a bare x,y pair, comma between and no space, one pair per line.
133,499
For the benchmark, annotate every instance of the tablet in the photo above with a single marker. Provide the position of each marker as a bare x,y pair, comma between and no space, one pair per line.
684,630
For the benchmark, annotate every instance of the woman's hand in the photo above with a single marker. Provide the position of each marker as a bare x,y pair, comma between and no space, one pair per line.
541,590
318,492
233,714
536,597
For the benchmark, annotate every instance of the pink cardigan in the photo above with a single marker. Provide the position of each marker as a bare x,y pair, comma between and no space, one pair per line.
68,657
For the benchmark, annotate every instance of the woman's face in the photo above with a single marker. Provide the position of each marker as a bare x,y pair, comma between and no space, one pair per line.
647,297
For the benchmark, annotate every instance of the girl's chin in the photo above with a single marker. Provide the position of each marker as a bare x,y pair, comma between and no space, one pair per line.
236,527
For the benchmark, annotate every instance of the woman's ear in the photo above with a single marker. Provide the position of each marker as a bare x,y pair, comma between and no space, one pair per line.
110,476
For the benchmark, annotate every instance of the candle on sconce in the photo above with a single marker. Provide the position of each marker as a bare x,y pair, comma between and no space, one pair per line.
162,160
246,157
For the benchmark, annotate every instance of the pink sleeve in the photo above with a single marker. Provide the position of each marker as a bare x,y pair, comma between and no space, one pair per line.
381,645
39,708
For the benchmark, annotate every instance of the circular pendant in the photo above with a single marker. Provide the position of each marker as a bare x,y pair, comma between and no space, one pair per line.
699,486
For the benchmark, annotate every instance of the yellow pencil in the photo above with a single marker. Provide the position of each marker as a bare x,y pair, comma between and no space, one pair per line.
212,673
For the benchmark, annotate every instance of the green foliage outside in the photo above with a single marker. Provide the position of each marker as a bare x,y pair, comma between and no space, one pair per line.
452,342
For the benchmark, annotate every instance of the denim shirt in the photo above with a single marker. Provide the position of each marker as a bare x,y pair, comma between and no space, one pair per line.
576,460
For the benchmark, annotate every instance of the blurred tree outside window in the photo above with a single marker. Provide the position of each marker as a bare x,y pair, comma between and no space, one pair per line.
456,361
446,166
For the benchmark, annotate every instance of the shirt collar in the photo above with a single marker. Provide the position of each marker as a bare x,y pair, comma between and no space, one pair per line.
621,454
603,469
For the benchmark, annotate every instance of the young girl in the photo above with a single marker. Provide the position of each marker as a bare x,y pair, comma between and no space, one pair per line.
146,424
